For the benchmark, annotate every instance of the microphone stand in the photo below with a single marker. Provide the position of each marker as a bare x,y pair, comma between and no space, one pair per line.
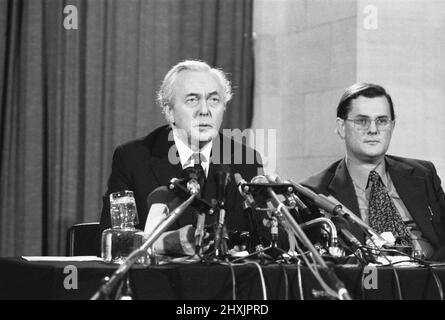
336,209
108,287
221,234
259,249
341,290
222,179
329,274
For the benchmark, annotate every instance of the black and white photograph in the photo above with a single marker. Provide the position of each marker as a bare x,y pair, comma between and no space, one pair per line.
224,155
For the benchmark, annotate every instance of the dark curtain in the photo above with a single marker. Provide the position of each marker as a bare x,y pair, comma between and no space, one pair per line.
69,97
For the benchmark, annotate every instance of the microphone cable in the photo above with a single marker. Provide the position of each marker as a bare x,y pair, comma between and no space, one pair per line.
300,280
232,271
373,250
397,280
437,280
423,263
396,277
286,282
362,287
313,268
260,271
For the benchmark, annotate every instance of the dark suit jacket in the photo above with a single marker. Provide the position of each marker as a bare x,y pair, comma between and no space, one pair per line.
142,165
416,182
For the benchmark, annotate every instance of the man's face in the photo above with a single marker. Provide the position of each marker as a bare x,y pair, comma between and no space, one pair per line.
198,108
367,145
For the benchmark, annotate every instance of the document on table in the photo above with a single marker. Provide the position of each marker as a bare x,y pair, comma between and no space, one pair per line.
61,258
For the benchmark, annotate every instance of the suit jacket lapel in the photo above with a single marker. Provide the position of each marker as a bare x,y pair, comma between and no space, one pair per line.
342,188
163,168
165,165
411,189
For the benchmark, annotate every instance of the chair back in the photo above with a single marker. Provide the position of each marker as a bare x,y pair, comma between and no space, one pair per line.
81,239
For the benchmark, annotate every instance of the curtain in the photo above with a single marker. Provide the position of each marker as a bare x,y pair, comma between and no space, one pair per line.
70,96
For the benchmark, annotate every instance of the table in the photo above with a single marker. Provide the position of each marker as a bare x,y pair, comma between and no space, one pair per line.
21,279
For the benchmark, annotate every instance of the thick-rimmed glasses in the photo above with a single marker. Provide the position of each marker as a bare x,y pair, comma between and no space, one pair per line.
363,124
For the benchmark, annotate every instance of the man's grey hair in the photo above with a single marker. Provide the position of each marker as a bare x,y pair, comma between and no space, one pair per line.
166,95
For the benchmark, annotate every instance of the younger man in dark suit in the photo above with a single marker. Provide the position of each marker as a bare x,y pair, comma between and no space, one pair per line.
392,194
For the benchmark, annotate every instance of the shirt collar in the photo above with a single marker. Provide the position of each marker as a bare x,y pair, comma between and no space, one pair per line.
185,152
360,174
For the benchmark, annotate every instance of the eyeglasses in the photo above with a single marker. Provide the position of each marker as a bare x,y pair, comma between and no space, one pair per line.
363,124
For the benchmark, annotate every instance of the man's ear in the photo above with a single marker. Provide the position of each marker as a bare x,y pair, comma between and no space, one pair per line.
169,114
393,126
340,128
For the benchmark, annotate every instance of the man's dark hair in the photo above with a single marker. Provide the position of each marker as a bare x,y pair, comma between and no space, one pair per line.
367,90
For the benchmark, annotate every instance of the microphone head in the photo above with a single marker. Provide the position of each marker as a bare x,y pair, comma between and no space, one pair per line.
222,174
225,168
259,179
249,200
274,178
196,172
238,179
279,180
350,239
193,186
222,179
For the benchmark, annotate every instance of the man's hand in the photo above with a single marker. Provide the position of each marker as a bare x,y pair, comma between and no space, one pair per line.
176,243
180,242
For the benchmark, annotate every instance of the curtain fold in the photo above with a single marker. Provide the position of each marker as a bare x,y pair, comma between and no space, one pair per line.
69,97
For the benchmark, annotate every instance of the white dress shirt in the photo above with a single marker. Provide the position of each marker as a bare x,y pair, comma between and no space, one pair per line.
185,153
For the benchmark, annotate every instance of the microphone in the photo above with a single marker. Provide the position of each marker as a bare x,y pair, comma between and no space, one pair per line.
284,212
195,173
244,190
288,195
319,201
337,210
107,288
249,206
281,208
377,239
354,245
352,242
222,179
291,196
195,177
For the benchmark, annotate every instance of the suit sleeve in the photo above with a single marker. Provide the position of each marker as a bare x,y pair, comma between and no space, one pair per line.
438,192
439,196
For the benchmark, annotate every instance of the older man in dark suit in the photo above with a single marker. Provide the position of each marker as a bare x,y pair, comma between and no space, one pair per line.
392,194
193,97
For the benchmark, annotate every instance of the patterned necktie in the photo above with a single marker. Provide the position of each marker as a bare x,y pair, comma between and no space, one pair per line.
383,214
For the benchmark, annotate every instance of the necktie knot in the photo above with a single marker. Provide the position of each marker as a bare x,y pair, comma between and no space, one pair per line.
197,158
374,176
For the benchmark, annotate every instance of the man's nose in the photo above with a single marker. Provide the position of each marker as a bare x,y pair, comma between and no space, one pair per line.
372,127
203,107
